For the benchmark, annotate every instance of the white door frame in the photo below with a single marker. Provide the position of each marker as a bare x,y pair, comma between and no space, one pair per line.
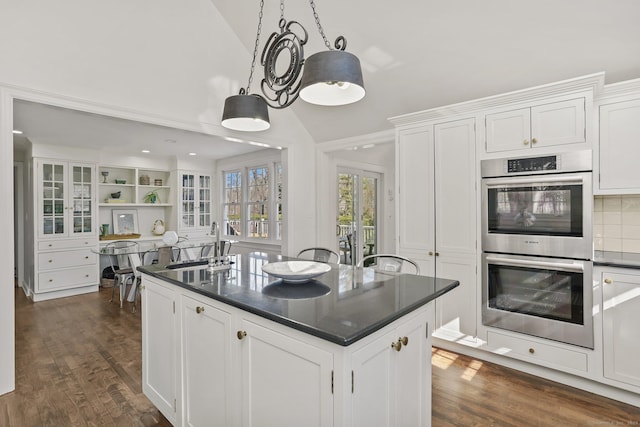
18,227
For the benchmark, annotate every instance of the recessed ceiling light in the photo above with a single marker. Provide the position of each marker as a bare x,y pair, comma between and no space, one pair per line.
192,154
170,141
232,139
17,132
146,151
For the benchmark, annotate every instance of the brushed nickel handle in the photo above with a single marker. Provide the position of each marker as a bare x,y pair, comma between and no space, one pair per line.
525,142
199,310
404,341
397,345
534,141
608,281
241,334
532,350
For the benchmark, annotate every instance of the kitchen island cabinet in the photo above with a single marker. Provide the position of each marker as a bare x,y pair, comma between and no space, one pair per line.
357,351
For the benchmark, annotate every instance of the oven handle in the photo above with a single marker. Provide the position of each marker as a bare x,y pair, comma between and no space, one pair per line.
541,264
494,182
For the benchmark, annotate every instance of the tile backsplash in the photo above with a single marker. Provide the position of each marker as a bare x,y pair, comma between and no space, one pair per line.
616,223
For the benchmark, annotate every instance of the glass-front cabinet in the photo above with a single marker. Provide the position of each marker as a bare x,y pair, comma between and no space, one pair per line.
66,199
195,201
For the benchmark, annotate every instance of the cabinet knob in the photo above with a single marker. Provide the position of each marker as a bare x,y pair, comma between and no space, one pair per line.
430,253
50,260
437,253
532,350
404,341
397,345
525,142
50,280
241,334
534,141
199,310
50,245
608,281
86,257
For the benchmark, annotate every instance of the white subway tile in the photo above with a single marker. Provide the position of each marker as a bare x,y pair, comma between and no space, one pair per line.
598,218
598,244
612,204
612,231
631,245
631,218
630,231
612,218
613,245
631,203
597,204
598,230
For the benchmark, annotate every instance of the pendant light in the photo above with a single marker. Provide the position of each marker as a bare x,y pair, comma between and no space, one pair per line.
332,77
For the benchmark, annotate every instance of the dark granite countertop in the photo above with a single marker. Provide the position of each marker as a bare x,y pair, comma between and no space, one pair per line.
616,259
342,306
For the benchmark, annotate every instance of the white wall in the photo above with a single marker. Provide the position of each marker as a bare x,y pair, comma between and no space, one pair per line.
162,61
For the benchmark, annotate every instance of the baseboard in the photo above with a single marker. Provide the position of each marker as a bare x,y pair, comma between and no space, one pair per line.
64,293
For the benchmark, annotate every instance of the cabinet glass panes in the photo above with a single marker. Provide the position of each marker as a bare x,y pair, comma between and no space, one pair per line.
188,200
82,209
257,203
204,213
232,202
53,199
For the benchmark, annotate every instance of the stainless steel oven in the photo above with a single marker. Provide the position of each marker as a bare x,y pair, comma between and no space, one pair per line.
550,298
538,205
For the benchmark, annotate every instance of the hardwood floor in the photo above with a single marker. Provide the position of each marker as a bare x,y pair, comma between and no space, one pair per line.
78,363
470,392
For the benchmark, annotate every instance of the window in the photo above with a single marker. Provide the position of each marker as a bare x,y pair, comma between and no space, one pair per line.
251,196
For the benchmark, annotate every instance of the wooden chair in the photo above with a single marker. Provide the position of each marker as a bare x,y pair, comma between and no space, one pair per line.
320,254
389,262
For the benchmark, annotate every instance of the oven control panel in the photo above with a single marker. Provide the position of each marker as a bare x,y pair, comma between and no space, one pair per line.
531,164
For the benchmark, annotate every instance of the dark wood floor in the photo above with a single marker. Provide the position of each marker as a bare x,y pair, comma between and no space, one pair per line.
79,364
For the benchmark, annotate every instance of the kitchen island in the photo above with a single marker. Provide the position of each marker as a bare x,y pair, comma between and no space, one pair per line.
240,347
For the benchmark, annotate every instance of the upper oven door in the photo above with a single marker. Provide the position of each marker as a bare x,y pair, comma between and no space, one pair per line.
538,215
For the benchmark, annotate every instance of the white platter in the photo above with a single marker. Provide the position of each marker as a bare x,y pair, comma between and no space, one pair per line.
296,271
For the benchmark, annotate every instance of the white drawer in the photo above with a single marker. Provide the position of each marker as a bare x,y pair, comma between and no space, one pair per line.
70,278
535,352
64,259
52,245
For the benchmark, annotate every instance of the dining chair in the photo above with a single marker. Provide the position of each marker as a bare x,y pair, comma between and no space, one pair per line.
168,254
389,262
345,247
320,254
119,259
135,261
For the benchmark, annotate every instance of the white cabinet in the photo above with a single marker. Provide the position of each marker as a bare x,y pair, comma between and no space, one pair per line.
159,348
544,125
618,148
437,213
65,221
285,382
194,201
206,363
389,380
65,199
620,319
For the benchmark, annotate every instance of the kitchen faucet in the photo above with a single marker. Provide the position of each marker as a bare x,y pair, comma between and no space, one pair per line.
215,231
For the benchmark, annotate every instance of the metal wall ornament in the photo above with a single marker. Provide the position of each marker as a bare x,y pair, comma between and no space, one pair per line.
332,77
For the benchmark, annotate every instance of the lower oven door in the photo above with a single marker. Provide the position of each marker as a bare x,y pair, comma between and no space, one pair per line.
550,298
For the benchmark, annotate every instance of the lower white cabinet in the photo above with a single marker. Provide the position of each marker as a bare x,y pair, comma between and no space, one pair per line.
620,320
206,363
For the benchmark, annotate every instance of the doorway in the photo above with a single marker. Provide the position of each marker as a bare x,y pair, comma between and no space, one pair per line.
358,213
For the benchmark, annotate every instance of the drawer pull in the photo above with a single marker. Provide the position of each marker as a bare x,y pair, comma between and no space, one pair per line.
532,350
404,340
397,345
525,142
50,280
50,260
86,257
199,310
50,245
608,281
241,334
534,141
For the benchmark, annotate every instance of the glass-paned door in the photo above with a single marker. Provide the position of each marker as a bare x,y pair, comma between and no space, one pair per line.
204,200
188,201
357,227
53,181
82,199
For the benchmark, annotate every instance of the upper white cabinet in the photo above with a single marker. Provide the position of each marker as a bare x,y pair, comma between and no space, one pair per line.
544,125
437,213
194,201
65,199
618,171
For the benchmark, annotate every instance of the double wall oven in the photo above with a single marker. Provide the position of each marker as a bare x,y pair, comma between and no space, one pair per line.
537,246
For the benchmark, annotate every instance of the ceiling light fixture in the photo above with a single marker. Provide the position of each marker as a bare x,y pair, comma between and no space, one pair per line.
17,132
146,151
332,77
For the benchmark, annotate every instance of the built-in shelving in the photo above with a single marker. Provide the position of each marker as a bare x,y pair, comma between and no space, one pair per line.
133,190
